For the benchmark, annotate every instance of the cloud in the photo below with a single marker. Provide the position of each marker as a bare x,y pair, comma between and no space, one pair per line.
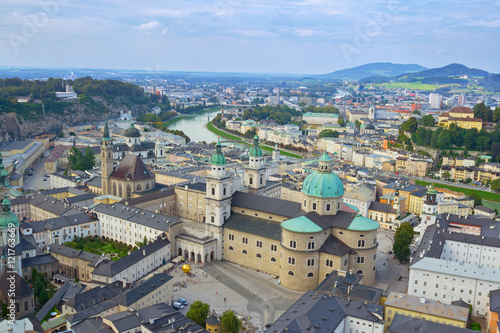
164,32
484,23
147,26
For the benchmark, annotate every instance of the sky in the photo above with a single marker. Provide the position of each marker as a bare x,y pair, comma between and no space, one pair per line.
260,36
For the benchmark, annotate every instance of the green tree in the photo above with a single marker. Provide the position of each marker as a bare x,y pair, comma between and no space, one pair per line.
34,274
444,140
341,122
410,125
142,243
482,111
44,296
427,120
198,312
358,124
88,159
5,310
477,199
328,133
401,246
405,227
417,112
65,173
446,175
495,185
75,159
230,323
475,326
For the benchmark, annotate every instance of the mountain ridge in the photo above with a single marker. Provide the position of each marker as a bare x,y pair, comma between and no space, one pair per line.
387,69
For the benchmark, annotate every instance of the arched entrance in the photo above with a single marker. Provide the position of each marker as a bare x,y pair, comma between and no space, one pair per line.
212,256
186,254
199,258
206,258
191,258
180,252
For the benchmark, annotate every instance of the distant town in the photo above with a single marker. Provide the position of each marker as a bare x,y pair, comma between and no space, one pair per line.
232,204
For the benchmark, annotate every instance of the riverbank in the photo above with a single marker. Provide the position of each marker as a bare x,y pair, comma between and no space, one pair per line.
211,127
495,197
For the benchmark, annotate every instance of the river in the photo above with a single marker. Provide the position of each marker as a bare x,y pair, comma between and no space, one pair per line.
194,126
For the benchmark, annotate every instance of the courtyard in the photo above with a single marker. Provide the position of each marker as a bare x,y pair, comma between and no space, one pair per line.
115,250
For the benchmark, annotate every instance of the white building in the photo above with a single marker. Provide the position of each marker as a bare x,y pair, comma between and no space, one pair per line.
435,101
320,118
361,197
458,259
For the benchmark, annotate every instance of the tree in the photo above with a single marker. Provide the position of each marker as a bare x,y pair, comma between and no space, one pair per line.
328,133
427,120
446,175
341,122
405,227
410,125
495,185
88,159
142,243
198,312
477,199
482,111
475,326
65,173
417,112
358,124
230,323
402,240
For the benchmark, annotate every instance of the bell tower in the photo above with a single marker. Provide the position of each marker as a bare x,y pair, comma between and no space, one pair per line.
429,209
106,160
255,172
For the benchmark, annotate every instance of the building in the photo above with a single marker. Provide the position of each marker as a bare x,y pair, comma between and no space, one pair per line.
457,260
407,324
435,101
420,307
320,118
361,197
20,302
388,213
323,312
492,320
429,210
461,116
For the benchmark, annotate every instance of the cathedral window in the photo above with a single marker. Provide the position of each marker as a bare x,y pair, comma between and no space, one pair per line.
261,180
310,274
224,191
273,259
231,248
259,255
259,244
231,237
138,187
359,271
310,245
244,240
329,263
213,191
291,261
274,247
291,273
244,252
251,180
310,262
314,206
293,244
328,207
361,243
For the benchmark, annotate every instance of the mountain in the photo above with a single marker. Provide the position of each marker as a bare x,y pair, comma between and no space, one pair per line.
373,69
446,71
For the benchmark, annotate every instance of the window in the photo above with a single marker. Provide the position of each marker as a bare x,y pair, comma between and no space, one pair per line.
251,180
274,247
212,219
290,273
310,245
244,240
314,206
361,243
293,244
310,274
231,237
259,244
231,248
328,207
213,191
273,259
291,261
310,262
359,271
374,257
329,263
259,255
360,260
244,252
224,191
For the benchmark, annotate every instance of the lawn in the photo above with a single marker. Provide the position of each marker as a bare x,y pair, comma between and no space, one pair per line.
223,134
99,246
482,194
409,85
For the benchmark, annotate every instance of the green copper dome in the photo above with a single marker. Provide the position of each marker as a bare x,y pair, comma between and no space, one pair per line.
218,157
324,185
361,223
7,219
325,157
255,151
432,190
301,224
132,132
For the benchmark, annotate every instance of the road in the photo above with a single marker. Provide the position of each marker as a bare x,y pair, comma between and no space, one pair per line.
36,181
388,275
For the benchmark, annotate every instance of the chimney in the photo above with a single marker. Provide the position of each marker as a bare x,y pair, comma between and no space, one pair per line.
129,252
151,321
144,252
422,299
124,283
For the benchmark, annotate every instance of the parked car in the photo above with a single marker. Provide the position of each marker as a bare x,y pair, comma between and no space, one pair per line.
177,306
182,301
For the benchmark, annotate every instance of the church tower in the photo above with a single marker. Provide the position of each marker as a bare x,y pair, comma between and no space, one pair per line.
276,153
218,198
429,209
106,160
255,172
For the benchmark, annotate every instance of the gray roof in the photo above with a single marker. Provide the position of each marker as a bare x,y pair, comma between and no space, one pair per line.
96,181
165,318
47,307
349,286
22,290
124,321
90,312
321,312
254,225
495,300
142,289
78,198
111,268
334,246
405,324
73,253
382,207
137,215
59,222
42,259
96,295
52,205
165,192
92,325
265,204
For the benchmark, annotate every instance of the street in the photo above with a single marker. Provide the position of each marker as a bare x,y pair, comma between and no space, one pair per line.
388,275
36,182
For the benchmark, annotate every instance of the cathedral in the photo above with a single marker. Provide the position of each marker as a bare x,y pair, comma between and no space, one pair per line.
302,243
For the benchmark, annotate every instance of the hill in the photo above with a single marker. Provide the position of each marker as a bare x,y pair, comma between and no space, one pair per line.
373,69
446,71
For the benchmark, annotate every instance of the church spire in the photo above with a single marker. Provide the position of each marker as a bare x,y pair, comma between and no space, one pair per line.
106,129
3,174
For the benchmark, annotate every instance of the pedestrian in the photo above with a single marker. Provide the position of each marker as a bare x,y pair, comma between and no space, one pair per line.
215,293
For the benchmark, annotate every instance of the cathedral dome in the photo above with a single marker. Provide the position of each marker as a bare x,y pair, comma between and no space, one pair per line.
324,185
255,151
218,157
132,132
7,218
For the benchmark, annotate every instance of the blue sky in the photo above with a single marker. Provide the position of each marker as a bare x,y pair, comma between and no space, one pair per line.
278,36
